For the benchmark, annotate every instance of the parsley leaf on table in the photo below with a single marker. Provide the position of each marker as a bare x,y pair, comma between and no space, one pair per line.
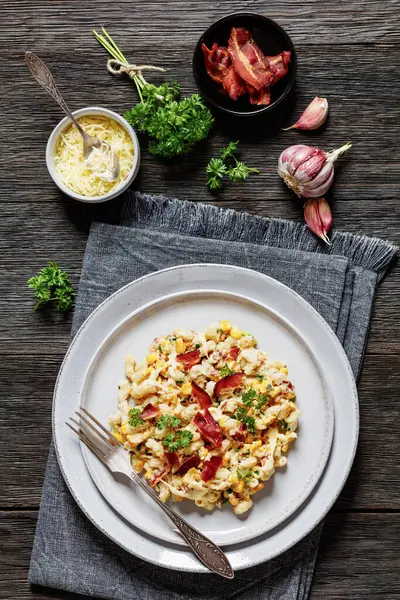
229,151
178,439
227,165
52,284
168,420
240,172
215,171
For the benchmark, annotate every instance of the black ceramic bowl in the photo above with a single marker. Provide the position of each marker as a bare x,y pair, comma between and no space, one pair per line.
272,40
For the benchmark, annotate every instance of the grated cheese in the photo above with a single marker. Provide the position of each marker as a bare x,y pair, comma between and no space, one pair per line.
71,166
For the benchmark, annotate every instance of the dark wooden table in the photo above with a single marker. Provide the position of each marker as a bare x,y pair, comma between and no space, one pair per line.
348,51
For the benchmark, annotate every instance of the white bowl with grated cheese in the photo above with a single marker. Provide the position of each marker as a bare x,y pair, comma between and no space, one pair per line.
64,155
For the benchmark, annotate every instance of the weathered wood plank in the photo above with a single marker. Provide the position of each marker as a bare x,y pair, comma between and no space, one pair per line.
312,22
358,558
368,172
26,387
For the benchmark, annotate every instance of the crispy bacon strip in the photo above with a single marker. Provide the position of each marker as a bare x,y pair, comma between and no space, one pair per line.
209,429
247,59
239,434
217,61
190,463
218,66
149,412
228,383
233,84
233,352
262,97
211,467
189,359
172,458
200,396
280,65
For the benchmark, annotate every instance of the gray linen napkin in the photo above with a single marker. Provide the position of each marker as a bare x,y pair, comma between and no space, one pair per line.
69,553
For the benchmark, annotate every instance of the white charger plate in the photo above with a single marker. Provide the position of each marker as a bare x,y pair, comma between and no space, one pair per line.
286,303
289,487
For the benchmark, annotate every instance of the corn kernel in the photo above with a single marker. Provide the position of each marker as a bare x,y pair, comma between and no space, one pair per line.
255,445
284,370
239,487
274,392
226,325
151,358
160,364
233,500
263,387
119,437
148,371
179,346
148,475
125,428
186,388
139,466
236,333
234,479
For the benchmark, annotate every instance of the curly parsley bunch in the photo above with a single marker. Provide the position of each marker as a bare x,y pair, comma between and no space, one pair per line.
173,125
52,284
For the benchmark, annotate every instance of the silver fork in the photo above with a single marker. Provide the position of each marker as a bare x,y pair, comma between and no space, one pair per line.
114,456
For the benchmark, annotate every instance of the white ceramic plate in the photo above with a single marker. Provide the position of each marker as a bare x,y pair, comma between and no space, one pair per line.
286,303
289,487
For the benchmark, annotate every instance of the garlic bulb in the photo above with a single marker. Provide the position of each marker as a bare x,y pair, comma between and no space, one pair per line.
308,171
314,115
318,217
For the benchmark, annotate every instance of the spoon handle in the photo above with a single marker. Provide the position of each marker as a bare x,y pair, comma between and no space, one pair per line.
43,76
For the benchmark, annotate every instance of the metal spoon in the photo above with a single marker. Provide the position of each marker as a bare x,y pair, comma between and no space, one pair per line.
43,76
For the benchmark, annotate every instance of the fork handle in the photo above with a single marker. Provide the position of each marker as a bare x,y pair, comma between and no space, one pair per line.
206,551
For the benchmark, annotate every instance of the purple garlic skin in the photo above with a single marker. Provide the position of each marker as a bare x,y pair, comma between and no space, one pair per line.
313,117
318,217
307,170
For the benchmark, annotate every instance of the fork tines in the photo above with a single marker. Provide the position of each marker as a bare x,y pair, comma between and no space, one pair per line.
93,434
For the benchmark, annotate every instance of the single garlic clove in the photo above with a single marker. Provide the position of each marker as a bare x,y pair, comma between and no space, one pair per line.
314,116
318,217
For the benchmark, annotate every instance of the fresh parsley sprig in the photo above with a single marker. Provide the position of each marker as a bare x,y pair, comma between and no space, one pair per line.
52,284
178,439
227,165
134,417
245,474
216,171
225,371
168,420
243,416
173,125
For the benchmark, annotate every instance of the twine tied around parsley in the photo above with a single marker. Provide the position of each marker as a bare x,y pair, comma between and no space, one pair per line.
117,67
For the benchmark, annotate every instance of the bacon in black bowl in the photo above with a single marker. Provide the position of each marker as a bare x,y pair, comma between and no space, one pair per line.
245,64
